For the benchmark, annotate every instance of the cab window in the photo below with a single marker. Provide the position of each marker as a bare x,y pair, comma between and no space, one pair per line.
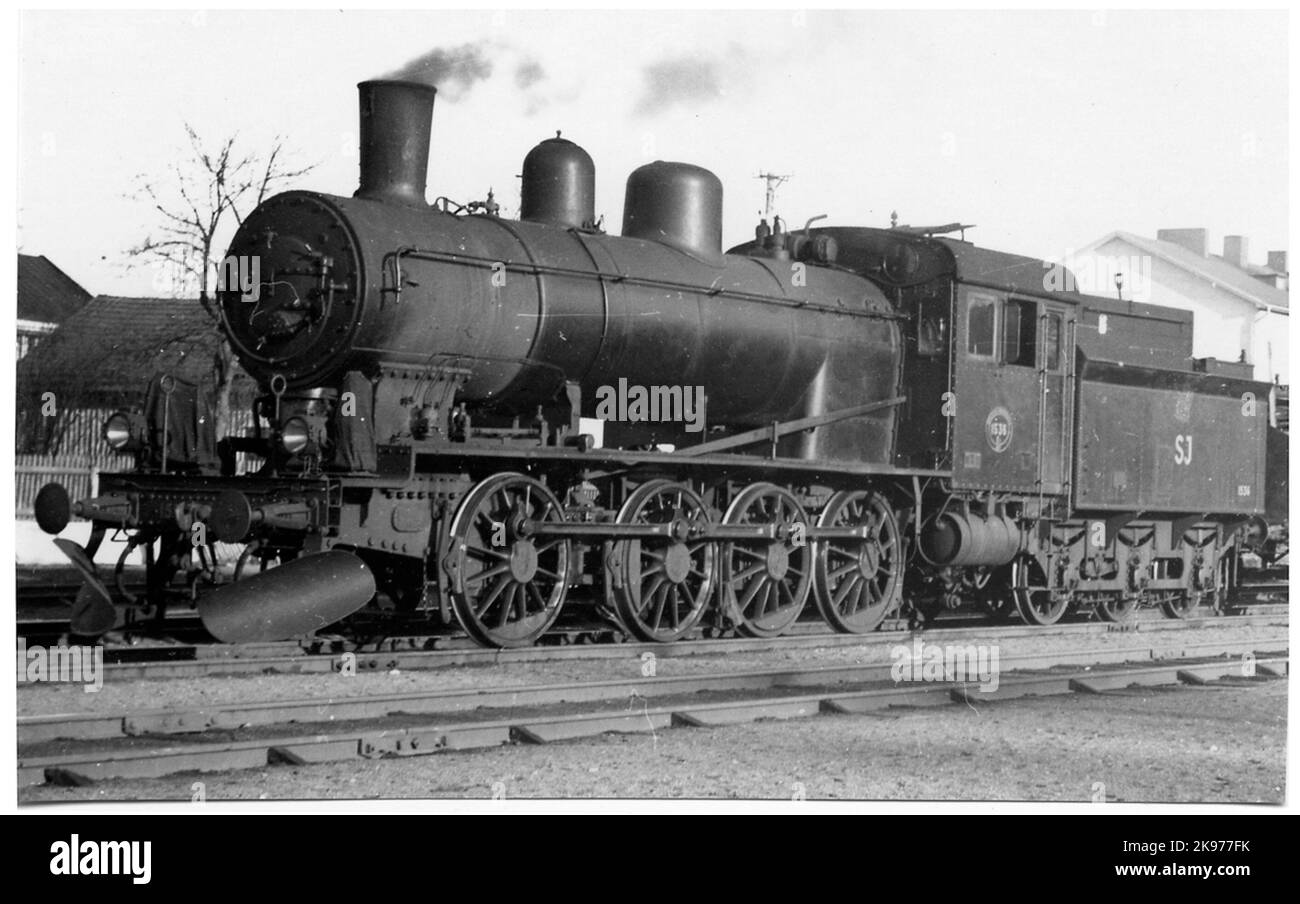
981,325
1020,333
1052,342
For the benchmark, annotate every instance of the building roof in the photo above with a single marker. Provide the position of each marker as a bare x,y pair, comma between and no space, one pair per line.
1255,270
106,353
1214,270
46,293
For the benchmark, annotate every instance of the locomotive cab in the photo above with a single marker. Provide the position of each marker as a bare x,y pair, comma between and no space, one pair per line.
1012,370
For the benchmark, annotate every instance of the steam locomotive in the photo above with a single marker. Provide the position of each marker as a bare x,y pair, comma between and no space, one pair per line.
888,420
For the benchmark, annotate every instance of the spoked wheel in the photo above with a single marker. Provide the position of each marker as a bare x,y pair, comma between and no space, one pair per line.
856,582
1038,603
507,587
1118,607
664,585
766,582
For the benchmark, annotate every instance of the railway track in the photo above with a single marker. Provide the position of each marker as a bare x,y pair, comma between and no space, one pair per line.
157,662
82,748
41,619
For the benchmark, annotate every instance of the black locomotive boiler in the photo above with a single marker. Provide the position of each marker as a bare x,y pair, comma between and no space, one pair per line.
885,419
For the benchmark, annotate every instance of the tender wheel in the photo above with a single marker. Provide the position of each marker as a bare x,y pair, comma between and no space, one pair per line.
1038,604
507,587
766,582
1118,607
856,582
1184,603
663,585
1179,604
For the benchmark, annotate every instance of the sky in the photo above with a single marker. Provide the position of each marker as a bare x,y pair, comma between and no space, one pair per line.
1047,130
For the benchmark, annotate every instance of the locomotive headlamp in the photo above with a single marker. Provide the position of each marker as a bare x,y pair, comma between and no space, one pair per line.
295,435
117,431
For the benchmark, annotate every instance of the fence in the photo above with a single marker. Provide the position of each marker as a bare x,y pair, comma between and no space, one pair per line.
82,455
78,473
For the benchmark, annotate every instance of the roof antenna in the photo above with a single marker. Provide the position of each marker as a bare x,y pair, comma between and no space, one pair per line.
773,182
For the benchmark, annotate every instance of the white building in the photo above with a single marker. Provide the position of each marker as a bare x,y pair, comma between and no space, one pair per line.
1241,309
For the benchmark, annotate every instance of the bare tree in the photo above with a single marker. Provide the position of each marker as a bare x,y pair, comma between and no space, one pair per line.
201,198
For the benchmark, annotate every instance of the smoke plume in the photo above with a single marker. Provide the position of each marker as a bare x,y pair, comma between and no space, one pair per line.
528,74
454,71
684,80
693,80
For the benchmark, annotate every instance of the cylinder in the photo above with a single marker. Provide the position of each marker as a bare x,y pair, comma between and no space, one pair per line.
300,596
396,124
558,185
957,538
677,204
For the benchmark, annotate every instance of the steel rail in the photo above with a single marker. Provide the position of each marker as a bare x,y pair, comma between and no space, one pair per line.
164,662
228,716
178,661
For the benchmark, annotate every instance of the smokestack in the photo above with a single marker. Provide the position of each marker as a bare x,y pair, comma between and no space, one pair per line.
396,120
